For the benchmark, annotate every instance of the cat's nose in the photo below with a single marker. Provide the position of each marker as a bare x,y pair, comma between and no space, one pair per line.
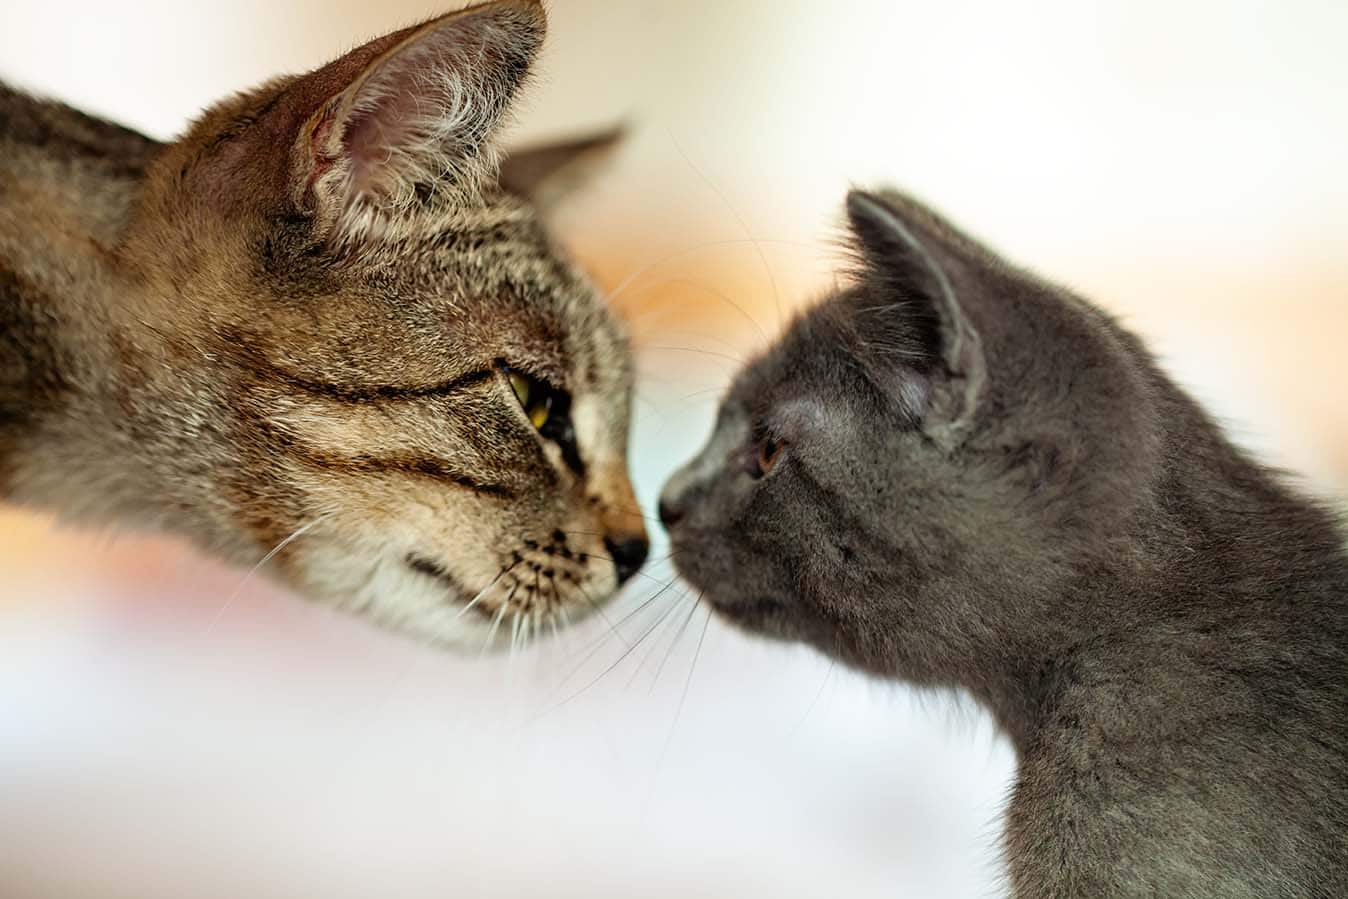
628,555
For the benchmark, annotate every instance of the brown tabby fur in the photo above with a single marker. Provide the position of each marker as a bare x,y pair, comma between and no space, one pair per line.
289,331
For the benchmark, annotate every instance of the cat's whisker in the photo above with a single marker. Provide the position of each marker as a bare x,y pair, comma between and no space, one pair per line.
279,547
514,634
483,592
496,623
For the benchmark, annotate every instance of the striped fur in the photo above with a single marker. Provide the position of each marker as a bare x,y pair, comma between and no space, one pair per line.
297,318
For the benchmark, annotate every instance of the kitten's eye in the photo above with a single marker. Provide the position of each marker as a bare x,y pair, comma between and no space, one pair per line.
769,452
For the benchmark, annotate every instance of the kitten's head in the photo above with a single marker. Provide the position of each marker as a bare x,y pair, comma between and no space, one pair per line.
351,341
908,475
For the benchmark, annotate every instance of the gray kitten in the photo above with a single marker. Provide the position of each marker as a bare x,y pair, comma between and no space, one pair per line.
318,330
956,474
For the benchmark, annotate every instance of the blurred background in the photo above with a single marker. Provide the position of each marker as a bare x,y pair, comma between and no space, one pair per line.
171,728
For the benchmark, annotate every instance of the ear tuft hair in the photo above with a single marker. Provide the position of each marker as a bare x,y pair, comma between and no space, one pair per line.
921,300
418,119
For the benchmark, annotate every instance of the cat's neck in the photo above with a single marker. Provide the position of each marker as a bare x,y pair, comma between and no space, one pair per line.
67,184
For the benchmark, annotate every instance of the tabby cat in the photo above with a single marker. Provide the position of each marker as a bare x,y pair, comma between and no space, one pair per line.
955,474
319,326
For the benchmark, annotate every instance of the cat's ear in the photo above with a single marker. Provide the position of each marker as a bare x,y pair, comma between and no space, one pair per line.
546,173
408,113
902,260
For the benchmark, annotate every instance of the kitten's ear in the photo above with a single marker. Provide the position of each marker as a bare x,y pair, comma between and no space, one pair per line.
546,173
409,112
897,260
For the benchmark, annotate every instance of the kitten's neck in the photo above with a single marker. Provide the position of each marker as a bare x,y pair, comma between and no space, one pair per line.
1222,554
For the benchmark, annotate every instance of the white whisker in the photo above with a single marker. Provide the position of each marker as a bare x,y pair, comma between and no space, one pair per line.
294,535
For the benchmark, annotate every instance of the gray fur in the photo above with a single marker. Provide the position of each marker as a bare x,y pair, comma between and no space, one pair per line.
1158,623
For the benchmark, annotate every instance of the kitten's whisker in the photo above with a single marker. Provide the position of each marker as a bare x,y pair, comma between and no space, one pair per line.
689,396
631,279
814,702
720,342
649,577
688,349
600,676
762,257
603,639
642,604
598,610
683,697
697,285
673,643
655,647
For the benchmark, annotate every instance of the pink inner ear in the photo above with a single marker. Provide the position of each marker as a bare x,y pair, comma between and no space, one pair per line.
424,113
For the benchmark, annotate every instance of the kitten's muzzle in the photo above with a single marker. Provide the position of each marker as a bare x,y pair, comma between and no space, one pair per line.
670,513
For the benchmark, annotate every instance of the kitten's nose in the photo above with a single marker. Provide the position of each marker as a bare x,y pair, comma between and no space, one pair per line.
669,513
628,555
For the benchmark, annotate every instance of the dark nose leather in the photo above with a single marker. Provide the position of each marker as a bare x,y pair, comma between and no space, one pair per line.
669,514
628,555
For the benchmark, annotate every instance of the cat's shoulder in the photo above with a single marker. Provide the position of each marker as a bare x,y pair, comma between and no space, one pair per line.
61,131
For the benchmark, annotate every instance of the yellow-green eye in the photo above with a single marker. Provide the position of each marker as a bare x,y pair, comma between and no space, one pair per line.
535,398
548,409
538,413
520,384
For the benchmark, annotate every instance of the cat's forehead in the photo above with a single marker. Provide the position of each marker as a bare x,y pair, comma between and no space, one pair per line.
474,290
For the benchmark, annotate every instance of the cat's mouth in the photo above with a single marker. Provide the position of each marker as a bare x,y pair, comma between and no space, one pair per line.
431,569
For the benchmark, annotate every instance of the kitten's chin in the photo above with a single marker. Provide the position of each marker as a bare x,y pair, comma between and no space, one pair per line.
762,616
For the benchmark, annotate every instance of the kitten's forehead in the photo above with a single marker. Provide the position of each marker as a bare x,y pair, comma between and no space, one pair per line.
811,356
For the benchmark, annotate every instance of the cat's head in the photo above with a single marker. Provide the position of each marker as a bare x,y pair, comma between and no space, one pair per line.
352,344
910,475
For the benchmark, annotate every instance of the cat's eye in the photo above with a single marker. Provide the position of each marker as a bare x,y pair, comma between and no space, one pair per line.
769,453
549,411
535,397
